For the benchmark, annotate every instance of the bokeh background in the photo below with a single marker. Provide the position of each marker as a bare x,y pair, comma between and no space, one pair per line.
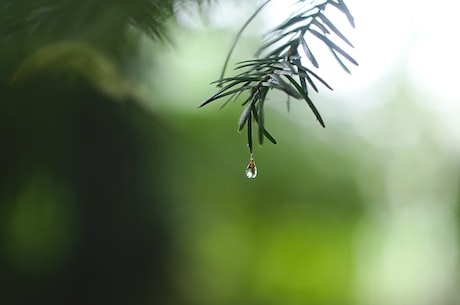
116,189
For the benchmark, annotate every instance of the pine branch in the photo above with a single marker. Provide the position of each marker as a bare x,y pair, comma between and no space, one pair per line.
279,64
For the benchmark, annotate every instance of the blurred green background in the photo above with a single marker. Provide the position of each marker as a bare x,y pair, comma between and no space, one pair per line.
116,189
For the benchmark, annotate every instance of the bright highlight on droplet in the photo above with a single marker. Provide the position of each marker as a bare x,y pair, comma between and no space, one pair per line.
251,169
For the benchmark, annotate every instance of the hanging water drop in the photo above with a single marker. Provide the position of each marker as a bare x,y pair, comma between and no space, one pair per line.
251,169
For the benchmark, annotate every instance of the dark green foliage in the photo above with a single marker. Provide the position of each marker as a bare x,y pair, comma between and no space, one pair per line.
85,156
27,25
109,26
81,19
83,194
279,64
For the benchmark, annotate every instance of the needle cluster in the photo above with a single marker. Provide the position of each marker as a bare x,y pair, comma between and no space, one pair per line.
284,62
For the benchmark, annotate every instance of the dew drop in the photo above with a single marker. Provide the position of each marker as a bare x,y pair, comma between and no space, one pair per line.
251,169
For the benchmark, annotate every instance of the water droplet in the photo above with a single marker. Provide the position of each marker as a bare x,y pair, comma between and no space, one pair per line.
251,169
